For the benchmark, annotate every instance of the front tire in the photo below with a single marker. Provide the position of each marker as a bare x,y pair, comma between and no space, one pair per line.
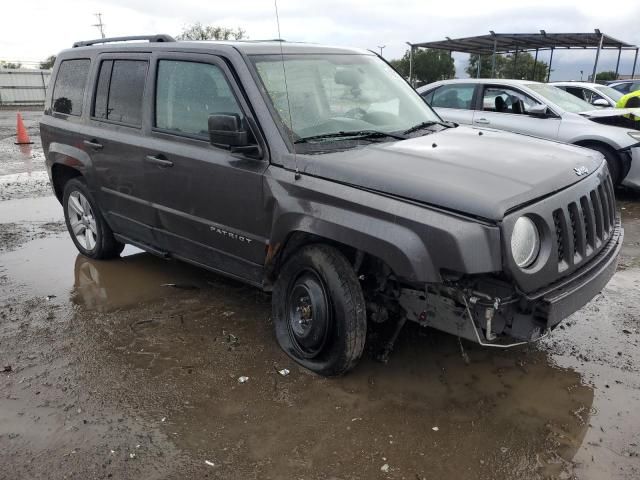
613,162
319,311
86,225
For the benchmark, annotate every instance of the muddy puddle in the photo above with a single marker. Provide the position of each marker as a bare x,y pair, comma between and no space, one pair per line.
141,356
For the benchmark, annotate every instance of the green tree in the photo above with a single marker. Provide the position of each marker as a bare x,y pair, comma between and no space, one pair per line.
48,63
508,66
606,76
429,65
198,31
10,65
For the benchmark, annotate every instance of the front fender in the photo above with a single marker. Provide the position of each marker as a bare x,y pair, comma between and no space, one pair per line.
397,246
415,241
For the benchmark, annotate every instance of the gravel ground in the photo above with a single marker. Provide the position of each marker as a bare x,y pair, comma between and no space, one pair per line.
109,373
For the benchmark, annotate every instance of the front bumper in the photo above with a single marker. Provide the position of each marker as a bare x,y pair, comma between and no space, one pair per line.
632,179
568,296
493,314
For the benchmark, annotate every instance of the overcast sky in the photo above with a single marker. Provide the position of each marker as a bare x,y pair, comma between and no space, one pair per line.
34,29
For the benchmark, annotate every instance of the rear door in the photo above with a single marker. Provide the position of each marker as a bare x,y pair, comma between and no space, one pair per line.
114,141
208,202
453,102
507,108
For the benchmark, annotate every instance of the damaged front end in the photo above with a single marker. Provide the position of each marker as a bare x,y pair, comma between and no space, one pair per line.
580,240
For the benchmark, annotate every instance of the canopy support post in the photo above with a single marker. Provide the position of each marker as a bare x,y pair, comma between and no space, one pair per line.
535,64
493,59
594,77
550,63
618,62
635,60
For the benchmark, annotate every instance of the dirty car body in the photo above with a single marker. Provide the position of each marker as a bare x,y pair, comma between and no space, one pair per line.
318,173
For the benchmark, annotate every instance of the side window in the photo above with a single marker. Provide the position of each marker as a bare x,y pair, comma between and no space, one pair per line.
119,91
453,96
68,90
187,93
428,96
581,93
506,100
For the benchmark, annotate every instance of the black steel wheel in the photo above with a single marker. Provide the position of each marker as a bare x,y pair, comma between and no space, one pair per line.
319,311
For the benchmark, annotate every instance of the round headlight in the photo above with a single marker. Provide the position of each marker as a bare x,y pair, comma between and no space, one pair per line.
525,242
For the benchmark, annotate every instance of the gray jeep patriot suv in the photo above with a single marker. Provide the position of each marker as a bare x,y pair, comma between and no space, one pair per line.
319,174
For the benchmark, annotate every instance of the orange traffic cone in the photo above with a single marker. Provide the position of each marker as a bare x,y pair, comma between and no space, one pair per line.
22,135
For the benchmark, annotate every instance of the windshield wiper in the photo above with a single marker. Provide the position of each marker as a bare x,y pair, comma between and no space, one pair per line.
422,125
357,134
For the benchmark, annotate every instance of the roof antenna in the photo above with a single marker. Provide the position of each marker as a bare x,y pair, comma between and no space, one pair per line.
286,90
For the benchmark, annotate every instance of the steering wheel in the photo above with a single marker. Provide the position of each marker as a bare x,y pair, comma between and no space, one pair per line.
356,113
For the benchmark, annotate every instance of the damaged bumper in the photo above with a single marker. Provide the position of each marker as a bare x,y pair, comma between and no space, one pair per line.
492,314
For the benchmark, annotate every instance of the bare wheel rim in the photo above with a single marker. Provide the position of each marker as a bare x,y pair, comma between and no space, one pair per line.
82,220
309,315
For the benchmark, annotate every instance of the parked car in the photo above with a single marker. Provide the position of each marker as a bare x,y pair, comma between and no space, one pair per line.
338,190
625,86
544,111
601,96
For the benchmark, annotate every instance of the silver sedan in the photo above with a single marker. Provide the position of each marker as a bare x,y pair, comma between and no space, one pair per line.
543,111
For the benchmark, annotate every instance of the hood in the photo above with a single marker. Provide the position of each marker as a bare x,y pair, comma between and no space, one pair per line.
611,112
479,172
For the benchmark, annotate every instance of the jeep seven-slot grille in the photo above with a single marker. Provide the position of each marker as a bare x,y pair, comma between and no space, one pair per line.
584,226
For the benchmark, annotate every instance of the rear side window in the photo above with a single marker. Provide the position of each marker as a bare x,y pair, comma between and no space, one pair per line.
119,91
187,93
453,96
68,90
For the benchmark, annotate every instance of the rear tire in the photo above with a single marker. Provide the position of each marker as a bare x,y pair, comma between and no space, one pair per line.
86,225
319,311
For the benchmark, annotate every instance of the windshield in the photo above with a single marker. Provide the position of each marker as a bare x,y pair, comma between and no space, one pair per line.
610,92
330,94
564,100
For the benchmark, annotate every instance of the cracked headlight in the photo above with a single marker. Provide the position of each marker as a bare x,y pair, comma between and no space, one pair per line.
525,242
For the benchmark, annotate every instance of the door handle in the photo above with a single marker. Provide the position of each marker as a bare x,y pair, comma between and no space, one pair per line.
482,121
93,143
159,160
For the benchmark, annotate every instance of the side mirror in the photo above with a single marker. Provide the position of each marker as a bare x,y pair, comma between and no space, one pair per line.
539,110
226,130
600,102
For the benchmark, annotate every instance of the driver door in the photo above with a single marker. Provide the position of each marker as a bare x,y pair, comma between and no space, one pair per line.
506,108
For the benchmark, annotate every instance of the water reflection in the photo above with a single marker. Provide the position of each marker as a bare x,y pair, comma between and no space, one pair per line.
134,278
506,414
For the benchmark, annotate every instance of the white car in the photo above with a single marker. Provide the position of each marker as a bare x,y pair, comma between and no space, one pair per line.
544,111
593,93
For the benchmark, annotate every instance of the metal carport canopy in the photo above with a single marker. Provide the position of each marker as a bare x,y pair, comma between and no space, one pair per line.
500,43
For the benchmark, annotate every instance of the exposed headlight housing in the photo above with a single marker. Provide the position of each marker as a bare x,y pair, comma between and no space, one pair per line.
525,242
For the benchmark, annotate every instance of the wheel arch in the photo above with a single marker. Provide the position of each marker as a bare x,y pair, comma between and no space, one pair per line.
400,249
66,162
623,160
60,175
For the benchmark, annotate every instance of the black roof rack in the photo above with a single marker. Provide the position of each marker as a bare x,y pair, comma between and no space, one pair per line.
150,38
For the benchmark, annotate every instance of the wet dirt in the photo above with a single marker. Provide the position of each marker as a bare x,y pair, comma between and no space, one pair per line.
129,369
